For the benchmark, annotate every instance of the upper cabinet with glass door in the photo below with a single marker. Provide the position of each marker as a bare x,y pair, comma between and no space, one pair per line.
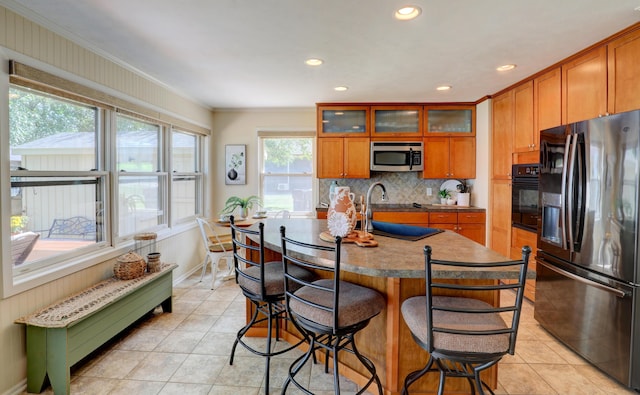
458,120
343,120
396,121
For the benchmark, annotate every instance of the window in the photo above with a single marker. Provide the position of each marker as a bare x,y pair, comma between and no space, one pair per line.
286,173
57,192
86,175
141,181
186,176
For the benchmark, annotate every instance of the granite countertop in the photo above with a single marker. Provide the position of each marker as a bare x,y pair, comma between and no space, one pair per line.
393,258
408,207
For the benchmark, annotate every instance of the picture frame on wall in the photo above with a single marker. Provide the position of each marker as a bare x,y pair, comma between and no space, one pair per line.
235,164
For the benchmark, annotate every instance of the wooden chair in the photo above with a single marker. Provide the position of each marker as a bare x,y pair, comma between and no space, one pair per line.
217,247
263,284
328,312
463,335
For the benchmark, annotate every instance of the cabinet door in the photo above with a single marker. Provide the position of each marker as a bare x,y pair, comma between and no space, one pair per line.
475,232
342,121
521,238
584,86
624,75
462,157
330,157
436,157
396,121
501,136
523,118
443,218
501,216
450,120
547,103
356,157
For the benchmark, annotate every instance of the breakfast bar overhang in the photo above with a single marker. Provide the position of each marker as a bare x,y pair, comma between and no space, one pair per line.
396,269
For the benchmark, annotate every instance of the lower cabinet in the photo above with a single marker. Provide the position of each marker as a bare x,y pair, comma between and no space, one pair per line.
520,238
469,224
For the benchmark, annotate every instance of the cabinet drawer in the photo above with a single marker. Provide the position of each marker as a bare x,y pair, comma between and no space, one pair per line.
443,218
471,218
401,217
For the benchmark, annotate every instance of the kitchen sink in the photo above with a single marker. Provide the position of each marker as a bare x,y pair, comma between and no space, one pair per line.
404,232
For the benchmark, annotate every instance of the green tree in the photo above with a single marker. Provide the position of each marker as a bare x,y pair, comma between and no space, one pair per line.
33,116
284,150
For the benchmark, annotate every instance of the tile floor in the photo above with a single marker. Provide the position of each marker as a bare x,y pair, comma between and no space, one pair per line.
187,352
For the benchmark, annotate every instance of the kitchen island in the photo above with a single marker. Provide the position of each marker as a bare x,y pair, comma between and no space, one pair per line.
396,269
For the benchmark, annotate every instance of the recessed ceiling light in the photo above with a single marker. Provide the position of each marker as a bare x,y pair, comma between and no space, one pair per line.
314,62
443,87
408,12
341,88
506,67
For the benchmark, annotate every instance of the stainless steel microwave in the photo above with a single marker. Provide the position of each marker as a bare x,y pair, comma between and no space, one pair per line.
397,156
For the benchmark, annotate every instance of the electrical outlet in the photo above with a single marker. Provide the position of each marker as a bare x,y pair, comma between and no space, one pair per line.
429,191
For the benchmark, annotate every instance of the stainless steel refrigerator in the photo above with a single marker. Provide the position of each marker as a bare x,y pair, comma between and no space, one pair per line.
587,268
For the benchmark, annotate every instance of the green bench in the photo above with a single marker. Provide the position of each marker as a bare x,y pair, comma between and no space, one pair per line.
60,335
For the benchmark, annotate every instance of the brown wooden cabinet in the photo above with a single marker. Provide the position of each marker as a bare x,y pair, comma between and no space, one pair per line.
450,120
547,104
502,136
500,215
449,157
524,138
623,55
469,224
419,218
396,122
584,86
343,157
520,238
343,120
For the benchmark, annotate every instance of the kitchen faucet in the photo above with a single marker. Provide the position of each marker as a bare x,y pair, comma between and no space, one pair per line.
369,213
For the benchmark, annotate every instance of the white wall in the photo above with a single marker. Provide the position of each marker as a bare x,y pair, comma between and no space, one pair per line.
241,127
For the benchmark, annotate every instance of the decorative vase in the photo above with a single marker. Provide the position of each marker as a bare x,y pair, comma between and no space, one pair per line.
341,215
232,174
463,199
451,202
153,262
443,200
244,212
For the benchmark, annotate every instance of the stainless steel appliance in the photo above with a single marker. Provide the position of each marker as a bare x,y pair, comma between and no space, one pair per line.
587,262
396,156
525,196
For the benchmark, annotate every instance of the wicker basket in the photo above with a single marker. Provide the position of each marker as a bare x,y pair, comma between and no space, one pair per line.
129,266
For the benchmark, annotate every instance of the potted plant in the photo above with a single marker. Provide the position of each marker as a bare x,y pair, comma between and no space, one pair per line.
245,205
444,195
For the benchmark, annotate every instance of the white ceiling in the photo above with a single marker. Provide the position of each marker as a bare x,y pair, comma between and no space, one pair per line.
250,53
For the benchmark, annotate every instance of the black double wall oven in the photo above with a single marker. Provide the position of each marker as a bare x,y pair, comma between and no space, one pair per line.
525,196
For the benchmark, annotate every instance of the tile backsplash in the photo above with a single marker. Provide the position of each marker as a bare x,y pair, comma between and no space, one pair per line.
405,188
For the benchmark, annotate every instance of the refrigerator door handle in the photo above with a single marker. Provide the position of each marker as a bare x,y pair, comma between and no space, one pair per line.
569,190
563,195
616,292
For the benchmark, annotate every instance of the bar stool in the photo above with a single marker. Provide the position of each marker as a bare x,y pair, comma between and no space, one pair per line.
464,336
263,284
328,312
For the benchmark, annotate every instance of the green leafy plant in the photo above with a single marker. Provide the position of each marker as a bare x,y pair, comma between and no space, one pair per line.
444,194
244,203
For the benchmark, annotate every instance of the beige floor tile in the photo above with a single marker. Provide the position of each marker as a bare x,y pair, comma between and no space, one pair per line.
200,369
186,389
228,324
142,340
91,385
197,294
602,381
129,387
158,366
214,343
248,371
233,390
117,364
164,321
565,379
186,306
537,352
212,307
224,293
183,341
197,322
521,379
